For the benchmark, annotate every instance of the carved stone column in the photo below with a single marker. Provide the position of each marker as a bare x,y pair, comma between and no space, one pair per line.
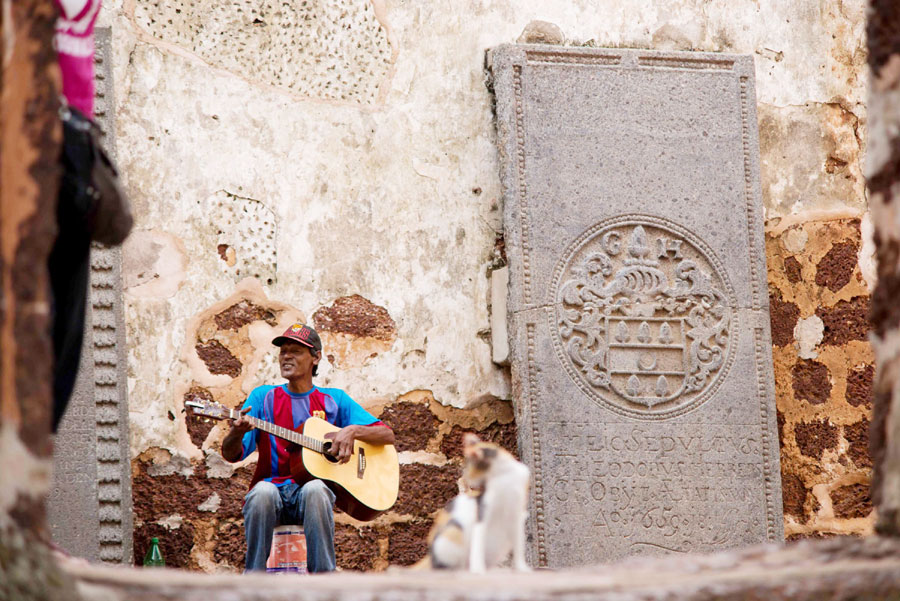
30,136
883,175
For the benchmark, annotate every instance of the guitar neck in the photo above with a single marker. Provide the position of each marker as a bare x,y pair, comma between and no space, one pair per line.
290,435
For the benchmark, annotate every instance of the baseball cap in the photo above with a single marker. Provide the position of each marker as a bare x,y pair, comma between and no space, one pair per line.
302,333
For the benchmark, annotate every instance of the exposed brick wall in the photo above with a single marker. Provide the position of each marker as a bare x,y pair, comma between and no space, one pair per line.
357,548
408,542
198,428
784,318
823,401
354,331
811,382
242,313
218,358
413,424
357,316
167,501
502,434
426,488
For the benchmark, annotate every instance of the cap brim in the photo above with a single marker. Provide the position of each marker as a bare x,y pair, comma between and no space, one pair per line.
279,340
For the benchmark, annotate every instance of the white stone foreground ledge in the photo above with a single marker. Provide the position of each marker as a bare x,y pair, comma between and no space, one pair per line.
837,570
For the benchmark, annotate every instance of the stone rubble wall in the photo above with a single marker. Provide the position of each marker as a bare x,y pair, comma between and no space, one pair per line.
819,305
336,161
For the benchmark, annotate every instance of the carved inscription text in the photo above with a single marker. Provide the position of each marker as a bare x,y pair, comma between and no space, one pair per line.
649,489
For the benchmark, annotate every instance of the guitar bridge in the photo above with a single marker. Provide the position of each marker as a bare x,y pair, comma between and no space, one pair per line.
361,463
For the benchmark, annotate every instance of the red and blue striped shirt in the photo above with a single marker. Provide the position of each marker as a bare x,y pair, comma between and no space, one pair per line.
280,406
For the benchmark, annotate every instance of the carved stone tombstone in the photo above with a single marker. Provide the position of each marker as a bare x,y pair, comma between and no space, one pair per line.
89,507
638,306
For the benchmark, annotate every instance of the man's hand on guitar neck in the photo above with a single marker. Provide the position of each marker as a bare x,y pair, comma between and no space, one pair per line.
232,447
342,440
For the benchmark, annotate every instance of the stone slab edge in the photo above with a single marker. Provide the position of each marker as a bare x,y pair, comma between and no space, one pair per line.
499,330
108,336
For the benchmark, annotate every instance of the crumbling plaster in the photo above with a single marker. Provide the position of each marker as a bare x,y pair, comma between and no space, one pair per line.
395,196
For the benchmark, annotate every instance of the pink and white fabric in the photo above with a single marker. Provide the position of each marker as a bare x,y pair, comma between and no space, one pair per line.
74,41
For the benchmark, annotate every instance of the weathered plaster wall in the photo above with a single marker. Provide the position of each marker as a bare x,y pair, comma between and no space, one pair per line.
340,154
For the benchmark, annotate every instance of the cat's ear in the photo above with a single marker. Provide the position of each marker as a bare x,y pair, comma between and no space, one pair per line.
470,444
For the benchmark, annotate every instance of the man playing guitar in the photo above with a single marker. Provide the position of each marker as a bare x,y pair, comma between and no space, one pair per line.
275,497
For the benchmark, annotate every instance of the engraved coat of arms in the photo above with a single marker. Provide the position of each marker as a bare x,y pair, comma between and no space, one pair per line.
643,315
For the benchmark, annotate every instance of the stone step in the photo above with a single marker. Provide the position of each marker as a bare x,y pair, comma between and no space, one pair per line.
837,569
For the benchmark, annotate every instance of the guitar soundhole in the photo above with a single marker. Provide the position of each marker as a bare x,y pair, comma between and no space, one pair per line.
328,455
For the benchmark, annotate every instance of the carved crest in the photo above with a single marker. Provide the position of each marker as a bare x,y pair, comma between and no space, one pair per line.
643,316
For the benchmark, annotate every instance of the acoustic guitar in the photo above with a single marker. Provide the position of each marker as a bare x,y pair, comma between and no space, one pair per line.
365,487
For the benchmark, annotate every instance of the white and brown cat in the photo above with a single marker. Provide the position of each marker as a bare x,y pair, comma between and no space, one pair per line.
479,527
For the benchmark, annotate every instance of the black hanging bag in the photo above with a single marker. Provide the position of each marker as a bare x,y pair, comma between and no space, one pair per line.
98,204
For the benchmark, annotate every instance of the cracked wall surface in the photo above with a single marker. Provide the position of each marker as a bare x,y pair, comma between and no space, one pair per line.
336,160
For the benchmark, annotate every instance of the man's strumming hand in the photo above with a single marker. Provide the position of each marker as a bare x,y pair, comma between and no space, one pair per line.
342,440
232,447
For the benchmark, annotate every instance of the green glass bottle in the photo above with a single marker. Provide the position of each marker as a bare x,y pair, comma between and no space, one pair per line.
154,557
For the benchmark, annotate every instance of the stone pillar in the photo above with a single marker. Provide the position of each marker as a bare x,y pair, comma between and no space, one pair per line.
30,136
90,501
883,176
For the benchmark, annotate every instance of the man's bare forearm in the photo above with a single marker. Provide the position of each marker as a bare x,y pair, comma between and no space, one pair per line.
374,434
232,447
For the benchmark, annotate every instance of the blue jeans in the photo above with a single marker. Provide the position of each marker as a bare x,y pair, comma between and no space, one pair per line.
311,505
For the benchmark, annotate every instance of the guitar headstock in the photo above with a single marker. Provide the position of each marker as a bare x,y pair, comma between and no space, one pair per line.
208,408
